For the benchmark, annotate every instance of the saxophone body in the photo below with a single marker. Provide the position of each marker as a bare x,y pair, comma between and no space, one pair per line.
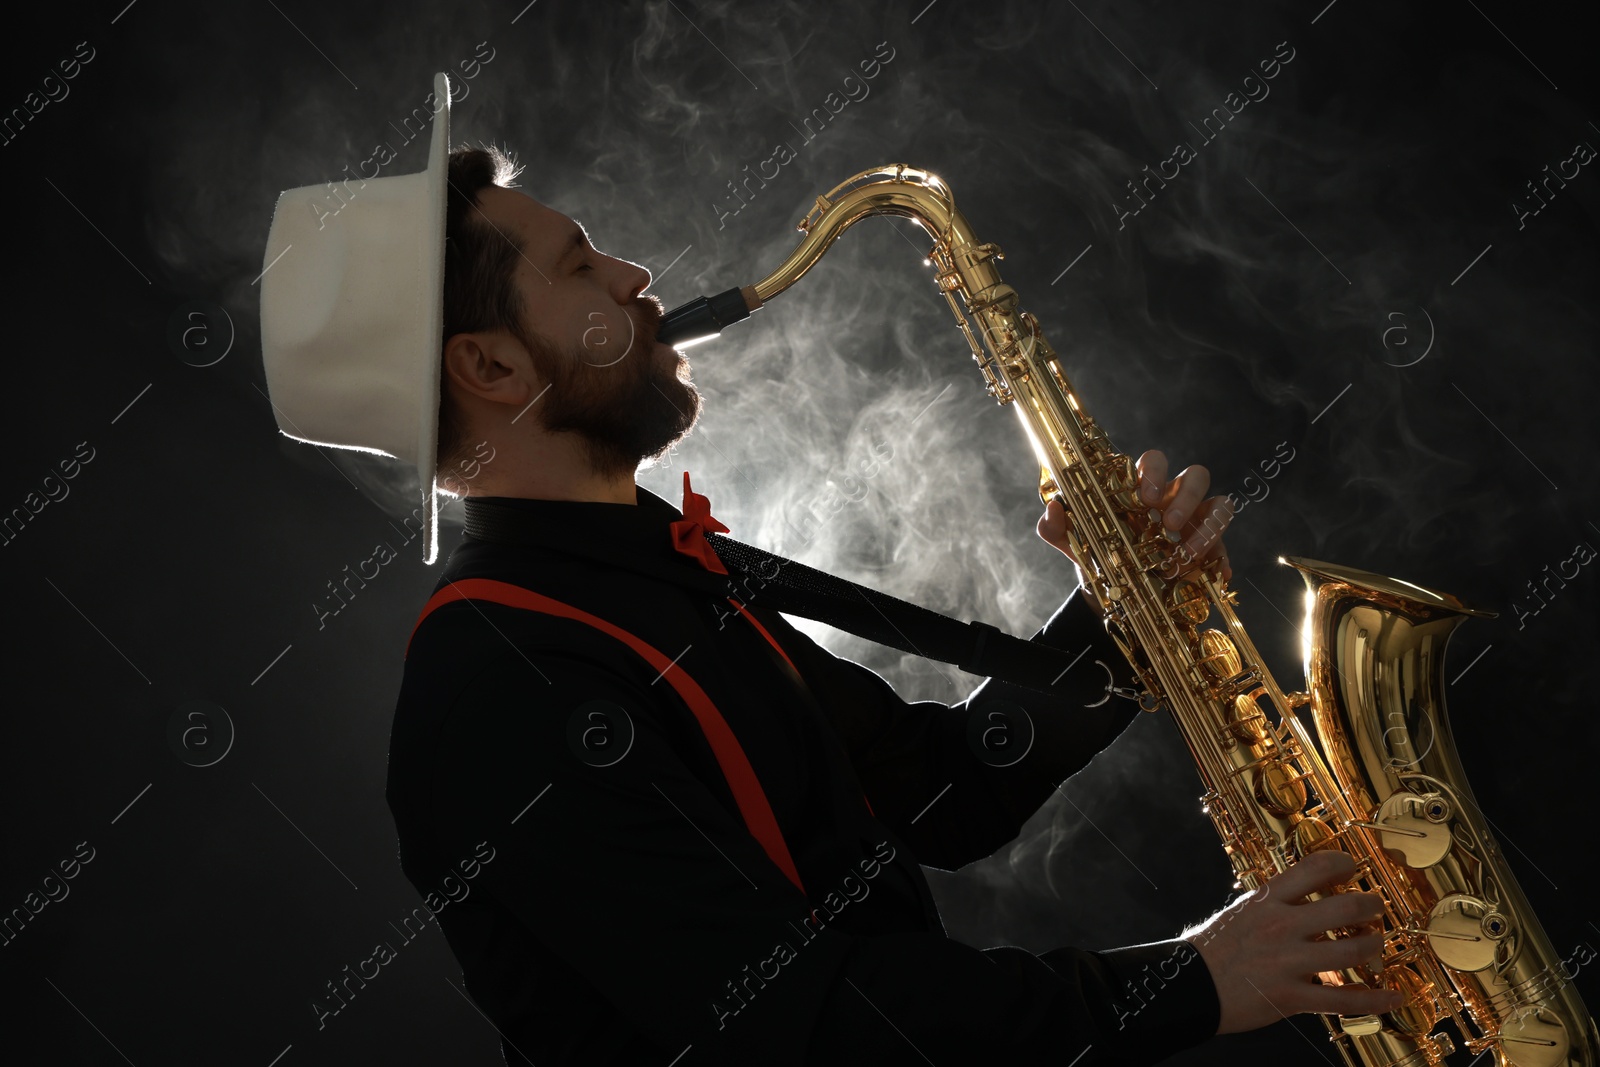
1461,942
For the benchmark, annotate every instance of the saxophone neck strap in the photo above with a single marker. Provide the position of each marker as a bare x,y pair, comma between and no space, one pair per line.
763,579
767,580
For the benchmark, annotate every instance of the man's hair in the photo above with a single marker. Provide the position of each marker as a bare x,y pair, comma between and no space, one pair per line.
479,293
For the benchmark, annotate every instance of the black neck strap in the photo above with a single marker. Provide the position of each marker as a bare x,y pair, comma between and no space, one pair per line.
764,579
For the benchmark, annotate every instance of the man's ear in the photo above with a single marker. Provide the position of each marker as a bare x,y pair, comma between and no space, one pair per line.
490,365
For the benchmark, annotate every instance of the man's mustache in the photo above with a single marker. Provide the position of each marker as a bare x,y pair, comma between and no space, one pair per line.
649,311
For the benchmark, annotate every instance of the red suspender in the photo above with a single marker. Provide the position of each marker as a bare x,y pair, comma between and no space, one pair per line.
741,777
763,631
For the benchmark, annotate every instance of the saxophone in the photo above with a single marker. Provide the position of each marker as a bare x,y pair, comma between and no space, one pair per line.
1384,785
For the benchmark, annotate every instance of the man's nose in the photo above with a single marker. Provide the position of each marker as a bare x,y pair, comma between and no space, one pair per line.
629,281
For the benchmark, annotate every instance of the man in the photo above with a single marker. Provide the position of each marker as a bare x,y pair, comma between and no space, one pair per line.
660,825
628,914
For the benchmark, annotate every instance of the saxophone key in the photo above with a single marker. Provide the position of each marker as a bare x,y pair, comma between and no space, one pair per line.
1420,1012
1190,605
1312,834
1534,1037
1218,656
1464,932
1416,827
1360,1025
1247,721
1278,789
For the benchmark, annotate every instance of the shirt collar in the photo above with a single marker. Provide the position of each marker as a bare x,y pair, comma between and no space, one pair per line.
638,536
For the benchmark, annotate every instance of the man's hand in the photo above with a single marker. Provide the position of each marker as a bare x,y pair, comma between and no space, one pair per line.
1200,521
1263,950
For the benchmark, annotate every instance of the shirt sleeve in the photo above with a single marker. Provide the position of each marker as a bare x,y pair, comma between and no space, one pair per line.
957,782
628,866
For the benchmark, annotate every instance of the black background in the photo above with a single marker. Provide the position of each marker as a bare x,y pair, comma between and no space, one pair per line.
1244,309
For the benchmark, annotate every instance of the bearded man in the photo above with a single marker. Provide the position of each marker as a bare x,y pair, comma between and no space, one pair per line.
659,825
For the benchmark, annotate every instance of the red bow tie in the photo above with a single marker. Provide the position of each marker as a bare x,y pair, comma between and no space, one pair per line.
688,534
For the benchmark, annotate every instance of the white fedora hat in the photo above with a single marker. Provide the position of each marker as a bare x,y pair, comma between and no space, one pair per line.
352,312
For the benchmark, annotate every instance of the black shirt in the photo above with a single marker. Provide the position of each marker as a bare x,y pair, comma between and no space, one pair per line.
561,811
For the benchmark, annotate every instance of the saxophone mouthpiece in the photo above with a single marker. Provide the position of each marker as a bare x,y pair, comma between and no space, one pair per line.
706,317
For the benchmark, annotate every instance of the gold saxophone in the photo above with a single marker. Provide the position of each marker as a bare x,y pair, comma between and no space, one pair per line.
1461,941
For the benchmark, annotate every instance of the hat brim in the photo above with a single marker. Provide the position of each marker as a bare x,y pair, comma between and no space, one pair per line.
438,184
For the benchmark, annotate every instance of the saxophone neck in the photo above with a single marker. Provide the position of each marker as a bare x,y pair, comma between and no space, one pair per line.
894,189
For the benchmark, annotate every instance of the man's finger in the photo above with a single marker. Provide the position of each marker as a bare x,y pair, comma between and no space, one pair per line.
1053,527
1338,954
1318,871
1152,468
1210,520
1053,523
1185,492
1344,909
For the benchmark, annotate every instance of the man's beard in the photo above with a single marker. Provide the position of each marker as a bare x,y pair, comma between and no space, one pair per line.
626,410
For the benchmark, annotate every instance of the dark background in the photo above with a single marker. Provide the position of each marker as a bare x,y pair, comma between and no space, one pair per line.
1220,325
